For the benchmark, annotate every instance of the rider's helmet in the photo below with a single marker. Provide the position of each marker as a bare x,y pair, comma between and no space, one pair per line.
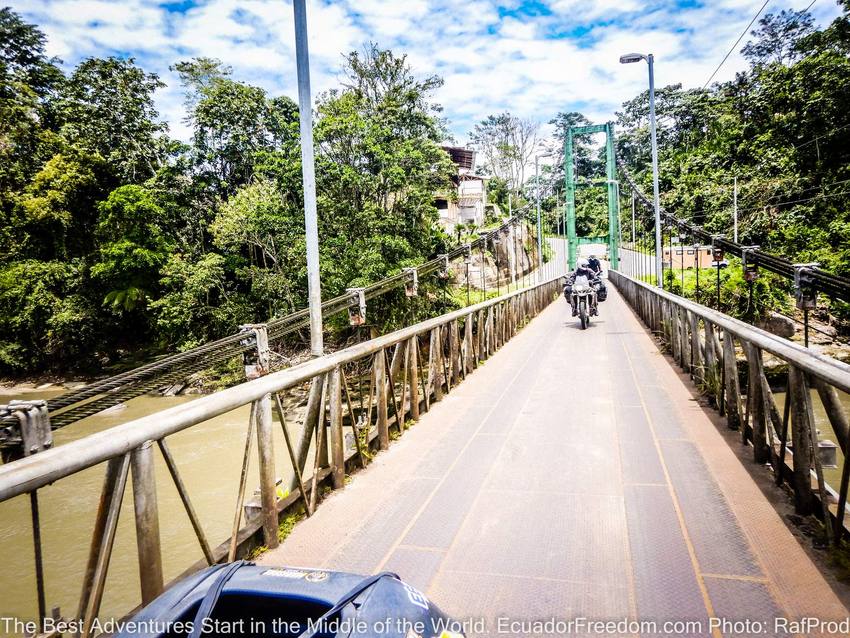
583,263
593,256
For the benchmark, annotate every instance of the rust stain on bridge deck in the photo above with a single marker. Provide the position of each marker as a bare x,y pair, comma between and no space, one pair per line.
571,476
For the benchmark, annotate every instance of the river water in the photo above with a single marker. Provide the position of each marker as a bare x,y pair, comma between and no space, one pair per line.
209,458
832,475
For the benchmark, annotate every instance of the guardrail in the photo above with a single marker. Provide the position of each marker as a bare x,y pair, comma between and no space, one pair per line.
404,376
704,343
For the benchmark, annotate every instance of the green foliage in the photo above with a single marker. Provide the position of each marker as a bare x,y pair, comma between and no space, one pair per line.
115,236
133,247
44,314
107,109
779,127
770,293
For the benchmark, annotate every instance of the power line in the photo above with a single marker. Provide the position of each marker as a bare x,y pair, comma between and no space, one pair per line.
832,285
743,33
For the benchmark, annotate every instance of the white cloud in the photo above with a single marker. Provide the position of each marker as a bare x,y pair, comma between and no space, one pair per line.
494,56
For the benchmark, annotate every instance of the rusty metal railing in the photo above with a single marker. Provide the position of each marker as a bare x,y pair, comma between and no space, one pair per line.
705,342
405,371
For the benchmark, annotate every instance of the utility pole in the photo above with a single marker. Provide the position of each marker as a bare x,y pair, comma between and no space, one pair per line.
539,227
308,168
655,194
735,209
539,224
630,58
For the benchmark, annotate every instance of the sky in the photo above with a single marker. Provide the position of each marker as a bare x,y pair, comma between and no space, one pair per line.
530,57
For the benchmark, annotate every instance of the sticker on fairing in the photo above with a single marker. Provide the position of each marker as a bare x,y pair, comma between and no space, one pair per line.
416,597
316,577
285,573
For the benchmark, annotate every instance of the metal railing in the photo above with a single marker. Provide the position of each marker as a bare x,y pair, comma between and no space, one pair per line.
405,371
704,343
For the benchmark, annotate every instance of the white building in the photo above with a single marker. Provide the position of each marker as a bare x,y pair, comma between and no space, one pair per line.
467,204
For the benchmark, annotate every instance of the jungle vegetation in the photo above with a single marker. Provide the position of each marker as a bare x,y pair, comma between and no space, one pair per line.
118,240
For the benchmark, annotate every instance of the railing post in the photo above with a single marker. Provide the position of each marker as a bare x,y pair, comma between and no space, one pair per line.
675,342
147,522
435,365
454,352
468,347
256,365
381,387
733,386
756,401
697,372
685,324
834,412
802,442
414,378
480,326
489,336
103,537
311,415
336,436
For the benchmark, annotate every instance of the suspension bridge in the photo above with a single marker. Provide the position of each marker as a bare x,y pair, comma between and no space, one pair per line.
641,477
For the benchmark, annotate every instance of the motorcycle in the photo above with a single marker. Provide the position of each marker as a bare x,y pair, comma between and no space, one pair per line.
584,300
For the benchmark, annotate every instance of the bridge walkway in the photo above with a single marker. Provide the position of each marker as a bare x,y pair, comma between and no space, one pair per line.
573,475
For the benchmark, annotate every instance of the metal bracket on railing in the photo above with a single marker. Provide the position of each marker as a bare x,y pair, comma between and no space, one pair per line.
411,283
805,292
32,433
467,254
749,263
717,253
357,309
444,267
256,358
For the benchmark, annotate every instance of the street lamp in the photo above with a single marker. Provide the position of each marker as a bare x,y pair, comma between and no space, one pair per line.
630,58
308,170
539,227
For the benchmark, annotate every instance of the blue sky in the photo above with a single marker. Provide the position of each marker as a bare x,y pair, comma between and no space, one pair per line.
531,57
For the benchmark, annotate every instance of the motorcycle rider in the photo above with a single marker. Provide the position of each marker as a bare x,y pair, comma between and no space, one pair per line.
595,265
583,269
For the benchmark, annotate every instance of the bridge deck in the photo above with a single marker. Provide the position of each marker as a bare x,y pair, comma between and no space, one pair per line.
573,475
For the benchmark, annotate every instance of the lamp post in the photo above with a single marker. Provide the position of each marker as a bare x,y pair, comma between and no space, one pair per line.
630,58
539,226
308,169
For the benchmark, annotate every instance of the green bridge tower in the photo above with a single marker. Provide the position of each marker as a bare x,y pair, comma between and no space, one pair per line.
613,236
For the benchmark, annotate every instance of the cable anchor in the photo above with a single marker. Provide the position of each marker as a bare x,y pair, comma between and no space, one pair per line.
357,308
32,432
805,293
411,283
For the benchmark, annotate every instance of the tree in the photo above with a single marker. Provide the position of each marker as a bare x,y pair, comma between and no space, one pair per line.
777,36
196,304
132,248
379,165
197,76
508,144
59,206
235,124
45,316
108,109
23,62
582,149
